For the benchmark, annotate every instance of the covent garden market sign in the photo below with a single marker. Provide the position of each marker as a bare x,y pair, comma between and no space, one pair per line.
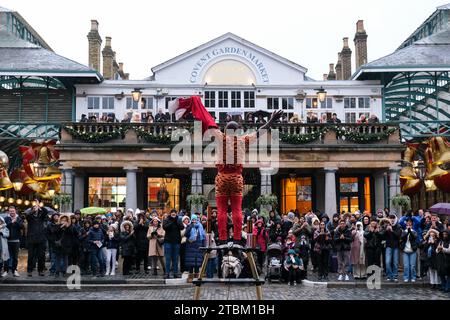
217,52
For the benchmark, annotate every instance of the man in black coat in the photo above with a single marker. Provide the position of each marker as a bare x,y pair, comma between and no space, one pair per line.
373,244
15,225
172,225
342,239
140,232
36,218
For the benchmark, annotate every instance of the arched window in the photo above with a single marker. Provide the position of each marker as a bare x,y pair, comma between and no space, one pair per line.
229,72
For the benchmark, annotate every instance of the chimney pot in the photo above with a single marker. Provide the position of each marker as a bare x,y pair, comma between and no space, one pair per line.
346,42
108,42
331,67
121,66
325,77
360,26
94,25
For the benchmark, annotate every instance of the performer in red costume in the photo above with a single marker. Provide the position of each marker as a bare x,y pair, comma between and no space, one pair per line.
229,182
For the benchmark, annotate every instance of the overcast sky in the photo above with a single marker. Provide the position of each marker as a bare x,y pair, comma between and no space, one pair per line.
147,33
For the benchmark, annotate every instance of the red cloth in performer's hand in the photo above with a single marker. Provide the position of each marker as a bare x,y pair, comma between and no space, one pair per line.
195,106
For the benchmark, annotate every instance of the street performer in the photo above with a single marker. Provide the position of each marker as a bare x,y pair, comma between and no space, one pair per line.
229,181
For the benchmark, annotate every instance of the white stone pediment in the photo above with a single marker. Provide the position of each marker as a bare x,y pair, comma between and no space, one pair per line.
266,68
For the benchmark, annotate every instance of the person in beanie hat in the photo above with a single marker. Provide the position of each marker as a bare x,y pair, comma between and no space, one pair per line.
293,264
96,239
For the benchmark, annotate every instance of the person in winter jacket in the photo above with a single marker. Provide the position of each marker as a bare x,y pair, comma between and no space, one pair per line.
85,260
155,236
186,221
430,243
443,260
64,235
408,245
196,238
322,248
36,218
15,225
96,240
293,264
112,242
128,244
172,240
4,234
276,232
140,232
342,241
391,233
357,253
373,244
261,237
51,235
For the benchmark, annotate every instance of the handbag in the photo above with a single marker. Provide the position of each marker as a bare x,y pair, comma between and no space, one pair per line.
160,241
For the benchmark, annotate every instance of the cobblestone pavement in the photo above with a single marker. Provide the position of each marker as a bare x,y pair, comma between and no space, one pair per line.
270,292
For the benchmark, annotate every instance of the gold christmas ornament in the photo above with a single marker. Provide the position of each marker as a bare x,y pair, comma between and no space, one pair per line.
433,171
441,151
430,185
4,160
5,182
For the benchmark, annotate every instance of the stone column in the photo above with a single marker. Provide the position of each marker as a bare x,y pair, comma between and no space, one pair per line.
330,191
196,187
380,181
266,181
320,191
394,182
67,187
79,190
131,195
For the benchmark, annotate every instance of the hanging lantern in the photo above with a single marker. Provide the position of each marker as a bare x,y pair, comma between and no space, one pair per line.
27,202
136,94
19,202
51,189
2,199
321,94
11,200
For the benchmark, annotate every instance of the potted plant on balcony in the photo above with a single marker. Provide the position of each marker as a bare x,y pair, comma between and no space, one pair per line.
197,202
266,203
63,200
402,203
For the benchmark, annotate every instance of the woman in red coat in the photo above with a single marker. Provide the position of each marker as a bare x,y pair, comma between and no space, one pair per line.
261,238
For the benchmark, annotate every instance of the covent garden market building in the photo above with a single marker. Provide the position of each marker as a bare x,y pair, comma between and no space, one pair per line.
52,154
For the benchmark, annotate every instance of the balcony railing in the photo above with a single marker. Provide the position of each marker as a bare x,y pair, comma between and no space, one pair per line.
294,134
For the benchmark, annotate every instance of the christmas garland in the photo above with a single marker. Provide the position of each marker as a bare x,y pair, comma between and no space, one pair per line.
96,137
302,138
363,138
154,138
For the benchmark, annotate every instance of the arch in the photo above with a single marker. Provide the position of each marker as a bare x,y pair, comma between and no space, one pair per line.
229,72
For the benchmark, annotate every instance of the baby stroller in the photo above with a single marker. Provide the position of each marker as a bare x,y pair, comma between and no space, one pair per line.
274,262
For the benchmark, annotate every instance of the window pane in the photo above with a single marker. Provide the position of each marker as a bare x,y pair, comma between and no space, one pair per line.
348,184
107,192
163,195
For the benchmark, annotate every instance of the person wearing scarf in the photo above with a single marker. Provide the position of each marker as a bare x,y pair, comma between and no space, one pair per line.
357,255
195,239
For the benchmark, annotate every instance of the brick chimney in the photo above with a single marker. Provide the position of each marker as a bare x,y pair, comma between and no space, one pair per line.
360,44
346,55
95,43
108,60
331,74
339,67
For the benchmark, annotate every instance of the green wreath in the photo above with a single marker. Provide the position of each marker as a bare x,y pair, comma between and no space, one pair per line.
96,137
